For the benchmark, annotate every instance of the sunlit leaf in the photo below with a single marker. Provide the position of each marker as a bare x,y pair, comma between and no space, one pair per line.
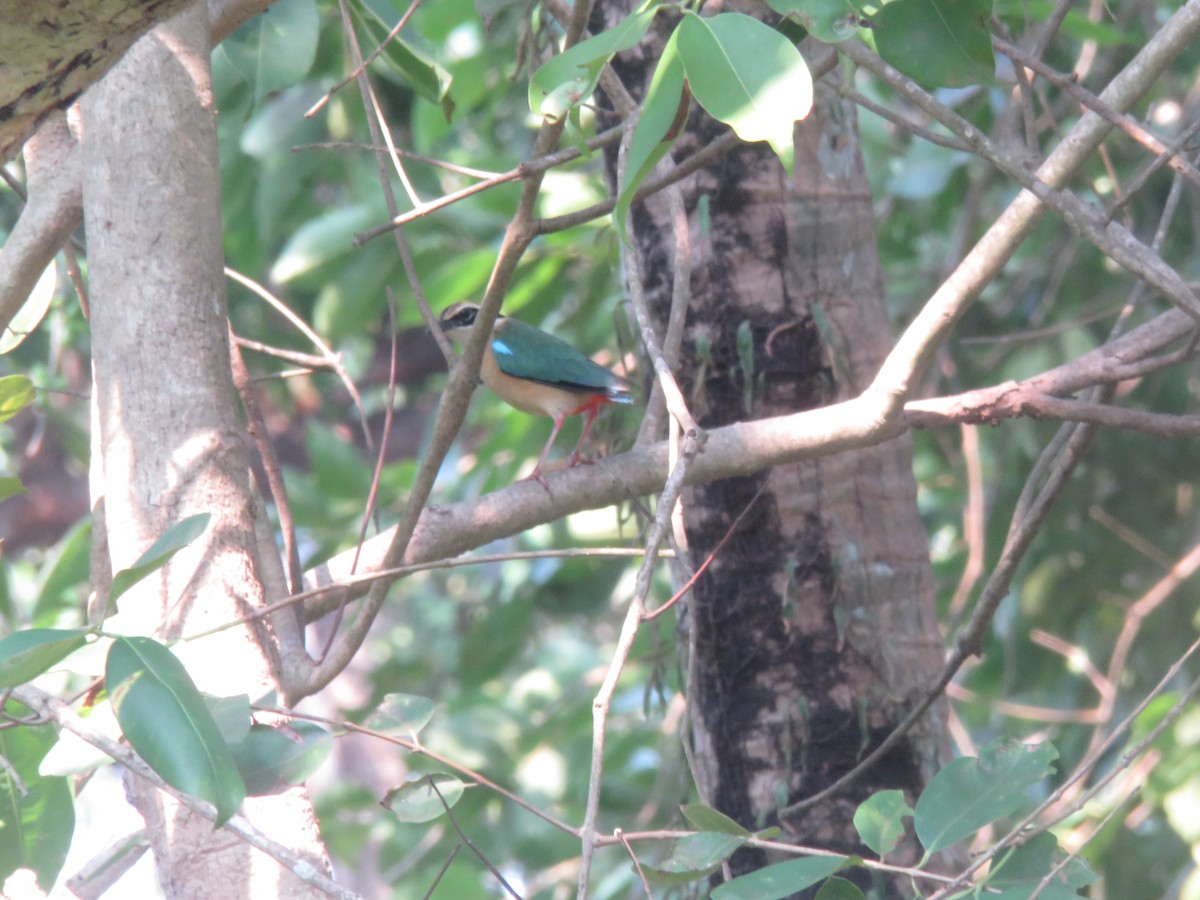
880,820
402,714
748,75
826,20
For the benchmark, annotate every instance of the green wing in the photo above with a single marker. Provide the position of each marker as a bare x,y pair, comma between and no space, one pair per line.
530,353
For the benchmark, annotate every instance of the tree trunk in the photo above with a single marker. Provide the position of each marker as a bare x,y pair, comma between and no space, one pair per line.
813,632
168,442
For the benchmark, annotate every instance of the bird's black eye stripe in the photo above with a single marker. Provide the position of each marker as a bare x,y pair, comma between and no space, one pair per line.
464,317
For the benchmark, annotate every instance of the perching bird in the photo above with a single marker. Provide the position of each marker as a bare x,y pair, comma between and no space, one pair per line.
537,373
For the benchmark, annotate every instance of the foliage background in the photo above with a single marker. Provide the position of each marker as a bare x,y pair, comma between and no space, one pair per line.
511,652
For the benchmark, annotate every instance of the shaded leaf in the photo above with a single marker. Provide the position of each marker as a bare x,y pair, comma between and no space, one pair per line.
780,880
937,43
26,654
427,79
969,793
694,856
705,818
839,889
271,759
275,50
165,719
650,144
159,554
419,801
404,714
826,20
37,813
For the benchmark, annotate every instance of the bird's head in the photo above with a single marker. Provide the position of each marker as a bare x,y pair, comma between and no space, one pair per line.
458,319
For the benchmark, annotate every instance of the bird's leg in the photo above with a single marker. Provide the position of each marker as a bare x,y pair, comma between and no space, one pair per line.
536,474
576,459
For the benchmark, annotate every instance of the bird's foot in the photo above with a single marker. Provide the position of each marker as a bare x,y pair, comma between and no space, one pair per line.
579,460
536,475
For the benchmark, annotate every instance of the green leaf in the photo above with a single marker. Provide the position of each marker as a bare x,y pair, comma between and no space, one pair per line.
705,818
10,487
271,759
564,80
748,75
64,575
780,880
27,654
494,640
969,793
839,889
426,78
231,714
880,820
937,43
32,311
403,714
419,801
159,554
1028,865
826,20
16,393
275,50
323,239
649,144
37,813
694,856
165,719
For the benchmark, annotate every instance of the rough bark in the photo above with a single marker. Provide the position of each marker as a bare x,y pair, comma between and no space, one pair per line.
169,443
813,631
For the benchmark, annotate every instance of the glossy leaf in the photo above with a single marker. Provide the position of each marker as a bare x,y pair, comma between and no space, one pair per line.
782,879
747,75
159,554
969,793
425,799
271,759
880,820
165,719
26,654
937,43
16,392
64,575
37,813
